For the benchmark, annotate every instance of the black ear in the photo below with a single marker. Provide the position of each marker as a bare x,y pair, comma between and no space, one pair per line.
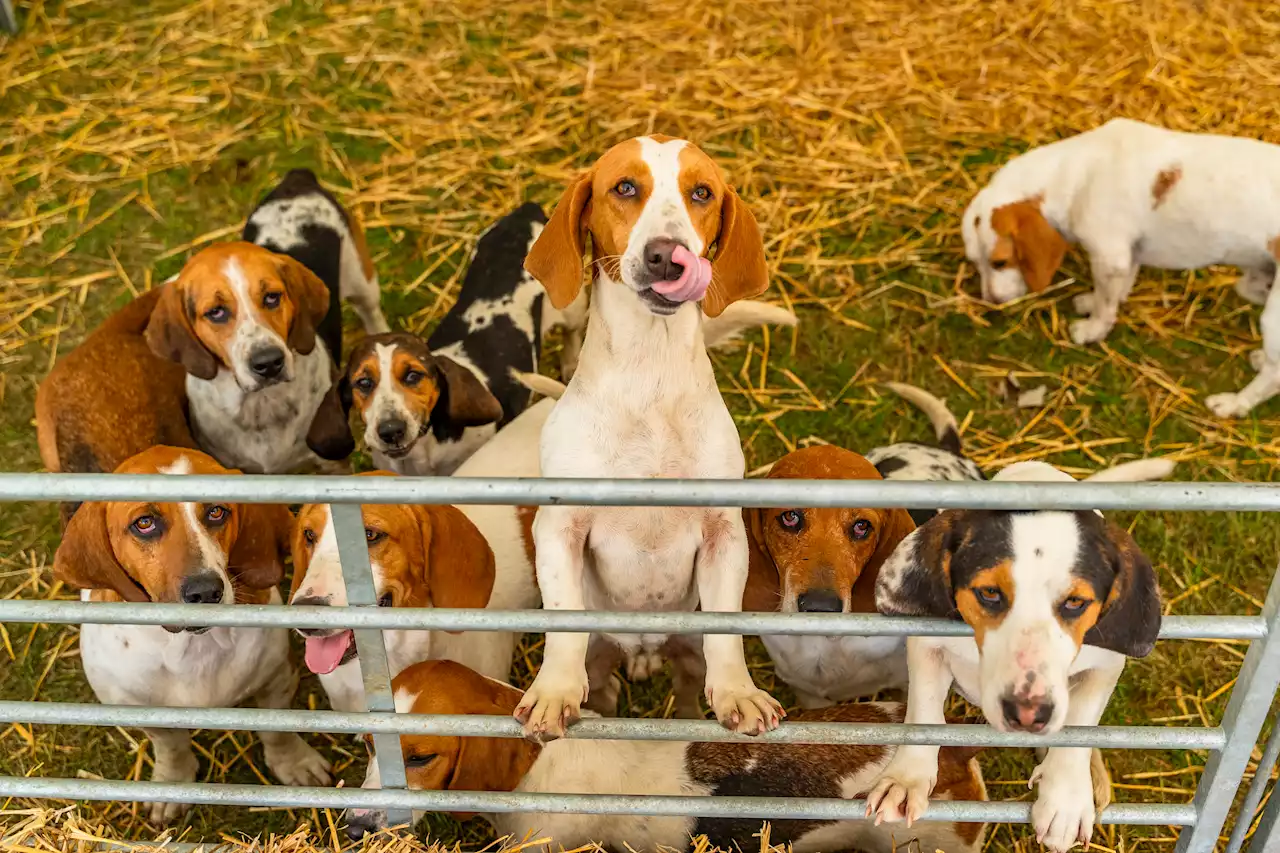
916,579
330,434
464,399
1131,614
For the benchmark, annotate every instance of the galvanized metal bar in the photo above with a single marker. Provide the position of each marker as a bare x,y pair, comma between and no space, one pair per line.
1248,709
1203,497
1249,807
1267,837
8,18
440,619
1141,814
375,672
594,728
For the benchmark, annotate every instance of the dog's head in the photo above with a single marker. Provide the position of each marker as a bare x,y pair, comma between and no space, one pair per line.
820,560
1012,245
241,308
196,553
403,392
654,207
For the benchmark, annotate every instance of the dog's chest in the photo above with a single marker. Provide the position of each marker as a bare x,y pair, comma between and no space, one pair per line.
836,669
642,558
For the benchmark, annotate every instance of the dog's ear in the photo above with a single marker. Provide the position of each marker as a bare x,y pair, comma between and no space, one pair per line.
329,435
257,556
1024,237
763,593
1131,614
916,578
895,525
739,270
464,399
491,763
310,298
556,257
301,556
171,336
85,558
460,563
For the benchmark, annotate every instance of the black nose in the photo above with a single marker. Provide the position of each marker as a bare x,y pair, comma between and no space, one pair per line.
204,588
819,601
1026,716
657,260
359,827
267,363
392,430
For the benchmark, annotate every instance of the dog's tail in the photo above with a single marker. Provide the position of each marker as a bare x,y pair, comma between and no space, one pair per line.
1136,471
944,423
539,384
740,316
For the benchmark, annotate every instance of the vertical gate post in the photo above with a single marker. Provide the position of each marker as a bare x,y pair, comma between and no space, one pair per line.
1267,838
1246,712
353,553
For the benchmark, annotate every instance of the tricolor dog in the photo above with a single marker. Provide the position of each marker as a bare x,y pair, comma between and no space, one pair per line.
193,553
1134,195
1057,601
642,404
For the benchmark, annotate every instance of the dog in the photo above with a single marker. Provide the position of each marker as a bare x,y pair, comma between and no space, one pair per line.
193,553
1057,601
671,768
1133,195
110,398
261,384
644,403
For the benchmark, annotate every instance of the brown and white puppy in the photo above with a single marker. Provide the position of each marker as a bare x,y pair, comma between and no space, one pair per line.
812,560
110,398
194,553
1057,601
261,384
662,769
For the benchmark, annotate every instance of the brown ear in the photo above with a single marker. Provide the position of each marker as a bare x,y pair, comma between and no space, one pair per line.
556,257
739,270
1025,237
460,563
329,435
301,559
257,556
915,579
170,335
310,298
896,526
1130,618
85,558
491,763
763,593
464,399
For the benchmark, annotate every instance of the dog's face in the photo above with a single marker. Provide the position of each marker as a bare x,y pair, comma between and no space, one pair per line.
403,392
653,207
196,553
239,307
1034,586
1012,246
421,556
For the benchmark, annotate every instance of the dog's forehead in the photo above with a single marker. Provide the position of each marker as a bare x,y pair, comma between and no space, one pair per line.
221,262
170,460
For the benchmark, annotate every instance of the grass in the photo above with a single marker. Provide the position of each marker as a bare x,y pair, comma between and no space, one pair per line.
131,133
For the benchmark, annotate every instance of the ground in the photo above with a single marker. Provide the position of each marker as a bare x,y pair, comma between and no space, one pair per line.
132,133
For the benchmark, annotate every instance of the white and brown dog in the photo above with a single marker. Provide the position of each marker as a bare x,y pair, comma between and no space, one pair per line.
644,403
1057,601
193,553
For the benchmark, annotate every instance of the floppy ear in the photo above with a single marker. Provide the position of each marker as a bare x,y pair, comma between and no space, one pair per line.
85,558
329,435
170,335
916,578
460,563
491,763
1130,618
739,270
301,559
895,526
763,593
310,298
257,556
556,257
1026,238
464,399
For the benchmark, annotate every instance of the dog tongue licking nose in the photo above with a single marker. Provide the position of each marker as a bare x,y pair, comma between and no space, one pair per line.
325,653
693,282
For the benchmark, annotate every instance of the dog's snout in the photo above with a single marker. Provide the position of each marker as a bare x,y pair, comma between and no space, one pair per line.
202,588
267,363
362,823
819,601
392,430
1026,715
657,260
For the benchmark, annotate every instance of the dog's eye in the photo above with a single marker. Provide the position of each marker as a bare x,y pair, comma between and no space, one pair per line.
216,514
372,536
861,529
309,536
364,384
217,314
1074,605
625,189
271,300
384,600
145,526
792,519
412,378
701,194
990,594
999,263
419,761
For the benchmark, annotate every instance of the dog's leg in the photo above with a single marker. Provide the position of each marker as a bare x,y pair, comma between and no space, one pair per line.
365,298
688,674
555,698
175,762
1253,285
721,568
1114,272
288,756
575,324
603,657
903,788
1267,383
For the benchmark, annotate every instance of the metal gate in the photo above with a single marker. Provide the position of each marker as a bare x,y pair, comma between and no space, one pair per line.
1202,820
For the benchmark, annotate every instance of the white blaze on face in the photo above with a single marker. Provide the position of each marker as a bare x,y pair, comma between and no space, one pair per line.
212,557
250,334
388,401
666,213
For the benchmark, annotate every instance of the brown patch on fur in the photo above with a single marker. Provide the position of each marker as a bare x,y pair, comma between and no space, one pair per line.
960,779
978,617
1274,247
1025,238
1166,180
1088,617
526,515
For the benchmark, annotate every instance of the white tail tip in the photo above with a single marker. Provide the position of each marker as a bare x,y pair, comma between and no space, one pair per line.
740,316
539,384
1140,470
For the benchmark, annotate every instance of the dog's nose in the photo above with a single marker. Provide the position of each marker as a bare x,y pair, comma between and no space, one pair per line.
392,430
819,601
657,260
267,363
204,588
1027,716
360,824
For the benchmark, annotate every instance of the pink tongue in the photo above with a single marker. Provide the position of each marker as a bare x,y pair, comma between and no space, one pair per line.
325,653
692,284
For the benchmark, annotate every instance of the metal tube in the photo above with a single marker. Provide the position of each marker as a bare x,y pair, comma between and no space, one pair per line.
1248,808
439,619
594,728
1267,837
1202,497
1145,814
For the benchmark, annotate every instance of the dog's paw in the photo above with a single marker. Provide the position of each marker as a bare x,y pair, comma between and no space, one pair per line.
1084,303
1090,331
1228,405
173,768
1064,812
642,665
745,709
1258,359
1253,286
550,704
294,762
901,793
